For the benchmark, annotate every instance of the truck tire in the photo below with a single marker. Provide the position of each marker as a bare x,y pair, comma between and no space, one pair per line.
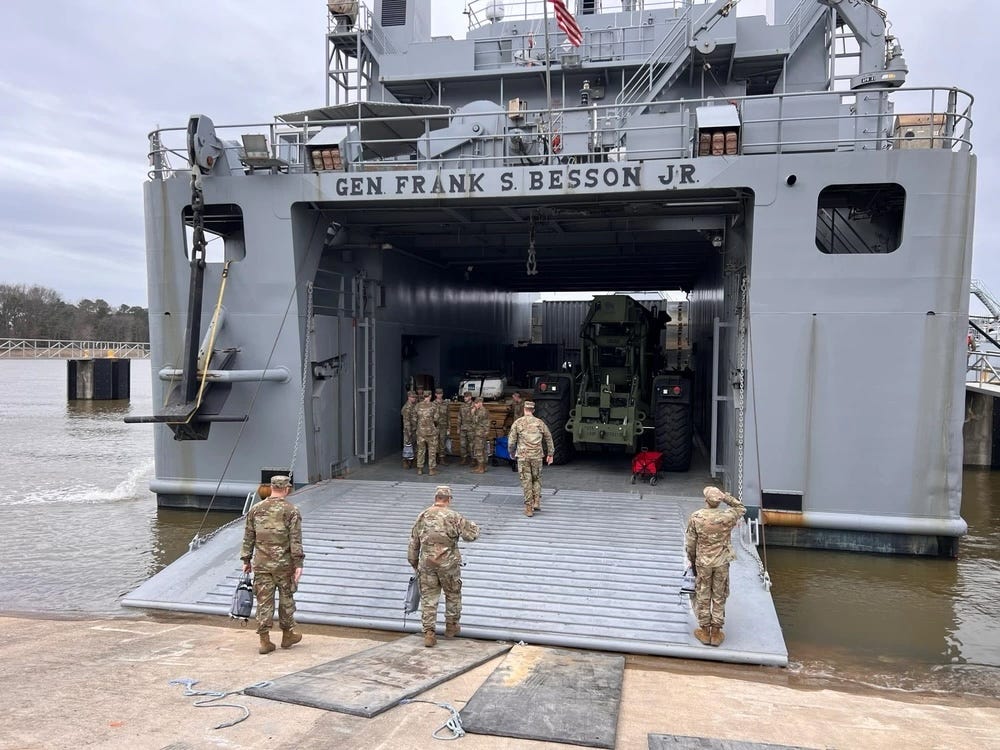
555,413
673,435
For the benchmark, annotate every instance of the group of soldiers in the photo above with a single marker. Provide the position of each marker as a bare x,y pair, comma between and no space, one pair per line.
425,429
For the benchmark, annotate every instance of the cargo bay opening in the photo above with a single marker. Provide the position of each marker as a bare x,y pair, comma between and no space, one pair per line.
402,292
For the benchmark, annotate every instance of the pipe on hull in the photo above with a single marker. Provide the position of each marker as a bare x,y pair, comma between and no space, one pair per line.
857,522
272,374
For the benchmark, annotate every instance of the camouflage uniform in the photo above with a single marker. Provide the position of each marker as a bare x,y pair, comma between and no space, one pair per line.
433,554
442,407
480,421
708,546
409,415
273,535
427,417
525,441
465,428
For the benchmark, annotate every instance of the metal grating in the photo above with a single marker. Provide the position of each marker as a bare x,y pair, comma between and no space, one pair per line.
593,570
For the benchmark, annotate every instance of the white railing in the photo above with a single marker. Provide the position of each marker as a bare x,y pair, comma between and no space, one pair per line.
482,12
502,146
64,349
983,367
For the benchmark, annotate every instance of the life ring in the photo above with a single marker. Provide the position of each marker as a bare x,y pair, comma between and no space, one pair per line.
556,143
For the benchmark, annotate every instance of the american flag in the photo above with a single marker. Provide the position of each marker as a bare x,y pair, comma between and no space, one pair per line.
566,22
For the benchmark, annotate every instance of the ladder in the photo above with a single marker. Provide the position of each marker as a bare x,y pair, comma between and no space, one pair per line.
364,369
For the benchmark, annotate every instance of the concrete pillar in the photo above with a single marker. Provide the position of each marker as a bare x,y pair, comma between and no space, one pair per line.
978,431
98,379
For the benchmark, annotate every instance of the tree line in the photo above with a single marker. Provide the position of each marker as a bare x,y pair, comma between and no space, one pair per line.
36,312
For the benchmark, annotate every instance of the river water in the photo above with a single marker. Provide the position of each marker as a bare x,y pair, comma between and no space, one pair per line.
80,529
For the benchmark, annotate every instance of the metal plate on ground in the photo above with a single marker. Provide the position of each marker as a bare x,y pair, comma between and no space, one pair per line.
551,695
681,742
374,680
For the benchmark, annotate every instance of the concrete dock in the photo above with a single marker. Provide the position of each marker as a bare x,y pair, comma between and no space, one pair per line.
105,684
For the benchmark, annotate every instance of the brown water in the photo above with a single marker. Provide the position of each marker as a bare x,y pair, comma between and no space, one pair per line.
80,529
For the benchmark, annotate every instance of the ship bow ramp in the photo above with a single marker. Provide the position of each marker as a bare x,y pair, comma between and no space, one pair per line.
593,570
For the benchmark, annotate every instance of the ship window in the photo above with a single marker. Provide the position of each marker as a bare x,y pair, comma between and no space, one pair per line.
860,219
223,233
393,13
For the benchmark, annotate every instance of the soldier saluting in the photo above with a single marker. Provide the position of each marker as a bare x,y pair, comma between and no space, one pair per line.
525,441
708,545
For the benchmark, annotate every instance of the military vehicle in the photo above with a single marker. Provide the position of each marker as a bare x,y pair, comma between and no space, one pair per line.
621,399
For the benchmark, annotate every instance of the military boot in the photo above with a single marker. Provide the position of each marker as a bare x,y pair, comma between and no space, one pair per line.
266,646
528,510
704,635
420,470
406,464
465,461
536,505
480,467
717,635
430,640
433,472
451,628
289,638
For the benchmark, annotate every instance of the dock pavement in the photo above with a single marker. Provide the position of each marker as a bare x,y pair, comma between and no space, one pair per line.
105,683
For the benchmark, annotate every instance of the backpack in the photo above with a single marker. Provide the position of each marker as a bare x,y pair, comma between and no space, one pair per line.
242,599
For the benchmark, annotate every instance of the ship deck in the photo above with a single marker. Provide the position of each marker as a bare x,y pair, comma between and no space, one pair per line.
600,567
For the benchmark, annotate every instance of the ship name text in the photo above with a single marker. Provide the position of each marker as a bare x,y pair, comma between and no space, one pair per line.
540,180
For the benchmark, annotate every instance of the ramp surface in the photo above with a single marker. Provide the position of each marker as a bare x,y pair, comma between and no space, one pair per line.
593,570
551,695
374,680
680,742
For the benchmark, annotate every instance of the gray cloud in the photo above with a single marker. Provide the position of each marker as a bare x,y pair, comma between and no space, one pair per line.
82,83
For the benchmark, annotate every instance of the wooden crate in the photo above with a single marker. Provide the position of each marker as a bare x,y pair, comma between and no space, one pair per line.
497,411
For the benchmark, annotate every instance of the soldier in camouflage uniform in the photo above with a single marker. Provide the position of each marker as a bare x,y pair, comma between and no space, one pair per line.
515,410
427,435
525,441
442,407
273,539
409,415
433,554
709,548
479,418
465,428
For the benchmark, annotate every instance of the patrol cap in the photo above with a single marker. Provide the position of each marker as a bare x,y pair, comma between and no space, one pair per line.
439,390
479,399
280,481
529,404
467,394
713,495
427,394
442,490
411,393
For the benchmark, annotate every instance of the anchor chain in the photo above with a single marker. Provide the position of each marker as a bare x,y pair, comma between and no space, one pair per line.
532,262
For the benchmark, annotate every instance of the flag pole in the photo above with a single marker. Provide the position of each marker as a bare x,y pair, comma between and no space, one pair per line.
548,82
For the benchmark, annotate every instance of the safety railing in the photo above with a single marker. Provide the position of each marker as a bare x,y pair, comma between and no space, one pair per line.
64,349
484,12
983,367
597,133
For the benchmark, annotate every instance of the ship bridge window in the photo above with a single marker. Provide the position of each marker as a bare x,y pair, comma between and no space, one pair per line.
860,219
224,238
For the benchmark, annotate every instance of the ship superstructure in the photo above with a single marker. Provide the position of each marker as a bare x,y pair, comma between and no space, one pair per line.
776,168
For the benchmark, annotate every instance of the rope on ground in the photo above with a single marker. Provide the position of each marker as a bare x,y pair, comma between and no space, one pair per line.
453,725
211,696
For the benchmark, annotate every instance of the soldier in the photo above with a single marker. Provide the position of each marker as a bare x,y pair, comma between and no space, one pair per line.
433,554
525,441
273,538
465,428
427,435
480,420
709,548
515,410
442,407
409,415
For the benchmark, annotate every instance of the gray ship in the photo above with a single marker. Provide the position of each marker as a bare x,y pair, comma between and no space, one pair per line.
776,168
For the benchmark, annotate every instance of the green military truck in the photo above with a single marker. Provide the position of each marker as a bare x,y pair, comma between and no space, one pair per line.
621,398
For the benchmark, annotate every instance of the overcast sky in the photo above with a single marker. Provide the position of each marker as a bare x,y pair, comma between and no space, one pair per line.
83,82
